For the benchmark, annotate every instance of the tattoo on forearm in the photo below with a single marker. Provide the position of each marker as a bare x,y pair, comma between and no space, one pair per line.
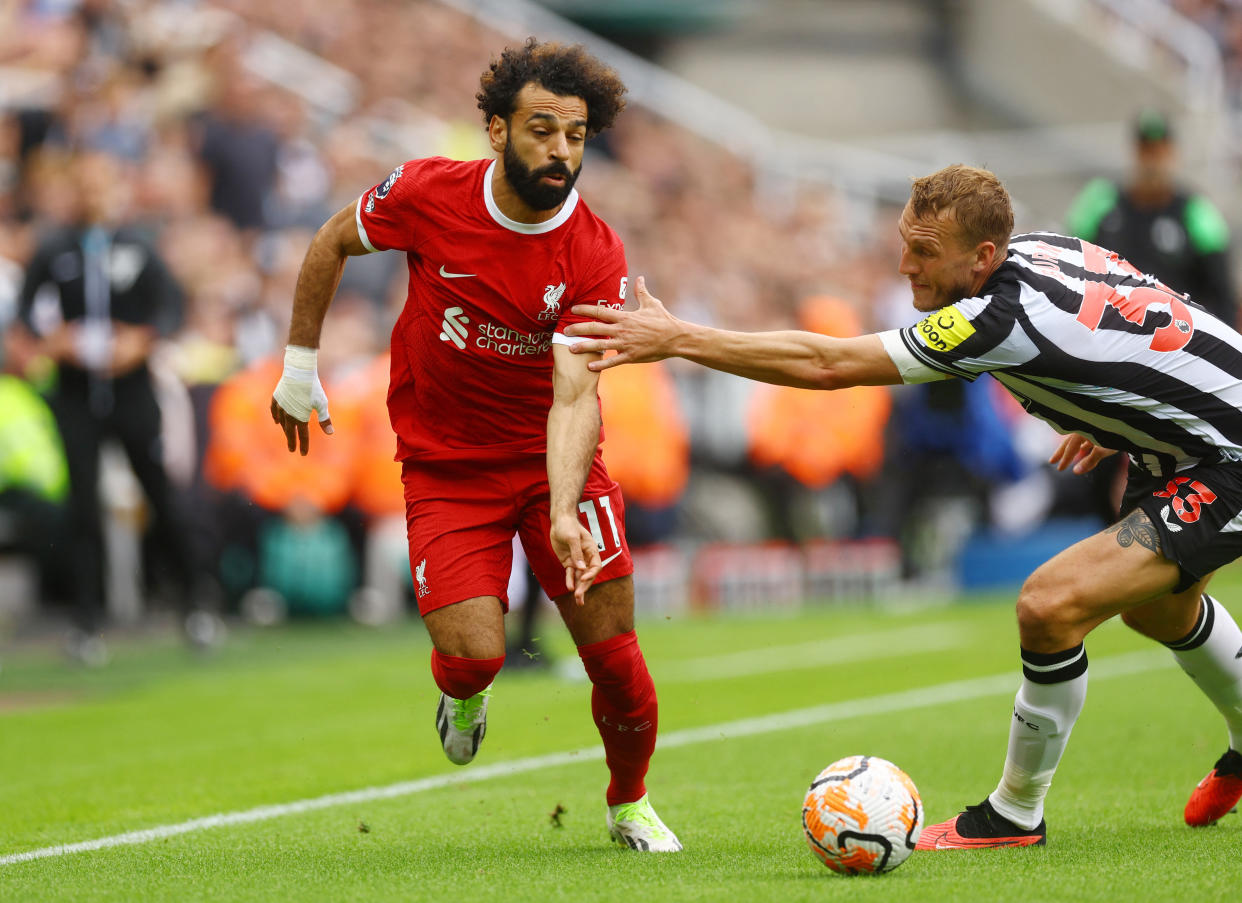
1136,527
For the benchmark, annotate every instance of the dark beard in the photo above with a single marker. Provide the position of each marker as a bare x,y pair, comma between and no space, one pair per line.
525,181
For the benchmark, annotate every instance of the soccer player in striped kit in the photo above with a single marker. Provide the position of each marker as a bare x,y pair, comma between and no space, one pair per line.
497,423
1112,359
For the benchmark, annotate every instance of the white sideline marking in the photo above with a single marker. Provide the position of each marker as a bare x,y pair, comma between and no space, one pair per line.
814,654
904,700
939,694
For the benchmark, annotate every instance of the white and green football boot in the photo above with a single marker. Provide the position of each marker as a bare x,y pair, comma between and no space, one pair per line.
637,826
461,724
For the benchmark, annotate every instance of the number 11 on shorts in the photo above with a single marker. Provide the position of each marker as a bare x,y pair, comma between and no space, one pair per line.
588,508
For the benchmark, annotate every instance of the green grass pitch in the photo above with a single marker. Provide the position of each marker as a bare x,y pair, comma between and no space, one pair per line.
161,738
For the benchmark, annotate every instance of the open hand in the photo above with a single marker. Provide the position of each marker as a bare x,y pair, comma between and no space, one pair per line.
298,393
638,336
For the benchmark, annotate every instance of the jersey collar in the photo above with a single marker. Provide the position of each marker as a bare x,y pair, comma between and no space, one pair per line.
562,215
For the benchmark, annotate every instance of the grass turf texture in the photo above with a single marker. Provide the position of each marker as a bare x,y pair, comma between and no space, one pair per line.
160,737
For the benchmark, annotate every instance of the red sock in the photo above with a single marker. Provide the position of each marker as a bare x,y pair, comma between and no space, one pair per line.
624,705
461,677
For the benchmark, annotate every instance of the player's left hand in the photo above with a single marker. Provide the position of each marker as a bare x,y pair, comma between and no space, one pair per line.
575,548
638,336
298,393
1079,451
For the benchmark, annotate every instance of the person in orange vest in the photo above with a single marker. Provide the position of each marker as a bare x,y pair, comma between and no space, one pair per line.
817,438
361,396
648,448
360,399
285,537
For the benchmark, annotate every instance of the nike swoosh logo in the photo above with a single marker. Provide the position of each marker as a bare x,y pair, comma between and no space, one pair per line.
447,275
603,564
964,843
978,843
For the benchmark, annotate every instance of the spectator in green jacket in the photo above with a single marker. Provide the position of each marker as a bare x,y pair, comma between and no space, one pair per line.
34,481
1175,234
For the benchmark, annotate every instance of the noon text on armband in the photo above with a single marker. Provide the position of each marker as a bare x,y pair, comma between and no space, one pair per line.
504,340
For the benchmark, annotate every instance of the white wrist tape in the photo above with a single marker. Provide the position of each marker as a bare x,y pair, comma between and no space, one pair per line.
299,390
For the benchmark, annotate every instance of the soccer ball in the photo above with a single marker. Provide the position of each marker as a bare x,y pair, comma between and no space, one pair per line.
862,815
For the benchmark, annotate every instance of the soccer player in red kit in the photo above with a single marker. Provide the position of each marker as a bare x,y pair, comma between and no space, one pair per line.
497,423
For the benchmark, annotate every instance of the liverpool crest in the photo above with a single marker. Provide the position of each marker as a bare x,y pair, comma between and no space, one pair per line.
552,302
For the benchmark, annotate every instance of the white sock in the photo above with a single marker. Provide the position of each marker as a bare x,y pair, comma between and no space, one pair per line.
1053,689
1211,654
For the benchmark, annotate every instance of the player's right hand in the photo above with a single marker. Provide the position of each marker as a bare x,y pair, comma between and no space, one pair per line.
297,394
1079,451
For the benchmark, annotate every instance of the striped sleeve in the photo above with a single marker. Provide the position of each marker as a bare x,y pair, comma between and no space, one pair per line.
912,369
964,339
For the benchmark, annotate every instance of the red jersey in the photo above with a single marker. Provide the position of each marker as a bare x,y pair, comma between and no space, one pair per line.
471,372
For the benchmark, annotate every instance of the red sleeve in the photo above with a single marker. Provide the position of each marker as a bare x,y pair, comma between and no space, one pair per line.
606,282
388,214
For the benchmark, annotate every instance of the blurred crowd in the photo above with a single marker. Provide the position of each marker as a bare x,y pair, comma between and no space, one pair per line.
233,129
1223,21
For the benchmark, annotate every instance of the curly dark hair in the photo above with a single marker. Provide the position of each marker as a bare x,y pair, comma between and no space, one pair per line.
564,69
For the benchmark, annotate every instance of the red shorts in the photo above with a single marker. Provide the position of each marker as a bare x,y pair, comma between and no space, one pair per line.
461,517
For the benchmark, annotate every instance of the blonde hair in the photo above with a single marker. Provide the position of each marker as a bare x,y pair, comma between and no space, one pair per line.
973,197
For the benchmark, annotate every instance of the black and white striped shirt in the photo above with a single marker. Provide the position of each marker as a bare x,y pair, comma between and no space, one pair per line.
1092,346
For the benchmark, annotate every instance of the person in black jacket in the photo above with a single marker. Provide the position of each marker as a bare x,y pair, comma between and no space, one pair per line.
1175,235
95,299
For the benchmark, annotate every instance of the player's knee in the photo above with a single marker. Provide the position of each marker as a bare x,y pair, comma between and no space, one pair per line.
472,629
482,647
609,612
464,645
1046,612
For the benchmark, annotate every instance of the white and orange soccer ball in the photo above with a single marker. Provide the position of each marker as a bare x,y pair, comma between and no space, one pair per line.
862,815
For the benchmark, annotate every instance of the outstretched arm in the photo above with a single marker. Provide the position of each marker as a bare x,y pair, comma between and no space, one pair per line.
573,436
299,391
789,358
